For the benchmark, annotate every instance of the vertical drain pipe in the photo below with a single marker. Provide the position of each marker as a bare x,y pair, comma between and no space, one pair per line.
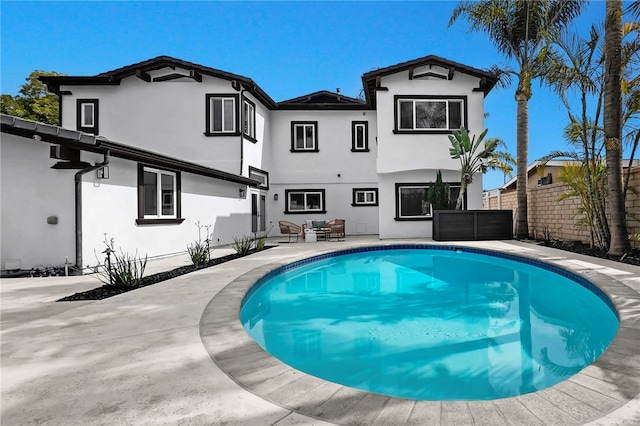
242,90
78,182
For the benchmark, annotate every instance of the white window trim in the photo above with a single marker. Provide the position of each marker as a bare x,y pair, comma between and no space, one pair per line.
249,116
413,101
211,112
372,192
306,193
159,195
399,195
426,186
314,136
83,115
363,144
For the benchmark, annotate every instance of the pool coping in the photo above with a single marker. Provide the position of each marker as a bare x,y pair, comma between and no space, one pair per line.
591,395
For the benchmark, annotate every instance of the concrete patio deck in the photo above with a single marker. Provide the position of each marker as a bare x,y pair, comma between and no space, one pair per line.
175,353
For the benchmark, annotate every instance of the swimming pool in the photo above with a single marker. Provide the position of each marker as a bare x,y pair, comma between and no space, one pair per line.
430,323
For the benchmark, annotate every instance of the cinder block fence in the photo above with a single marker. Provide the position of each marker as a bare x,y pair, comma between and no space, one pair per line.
549,217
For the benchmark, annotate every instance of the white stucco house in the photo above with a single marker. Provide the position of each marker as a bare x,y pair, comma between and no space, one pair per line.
146,151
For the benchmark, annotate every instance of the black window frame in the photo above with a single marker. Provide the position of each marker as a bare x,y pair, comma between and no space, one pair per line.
251,136
208,119
321,209
142,220
315,135
79,124
354,136
260,172
429,216
354,195
435,131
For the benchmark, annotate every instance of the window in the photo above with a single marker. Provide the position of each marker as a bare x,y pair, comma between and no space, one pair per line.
158,196
259,175
430,114
412,202
221,115
304,200
365,197
359,136
249,120
304,136
87,115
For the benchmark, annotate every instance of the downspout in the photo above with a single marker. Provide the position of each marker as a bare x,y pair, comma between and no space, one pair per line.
78,202
242,90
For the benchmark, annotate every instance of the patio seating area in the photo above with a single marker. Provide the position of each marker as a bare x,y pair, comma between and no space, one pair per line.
175,353
314,230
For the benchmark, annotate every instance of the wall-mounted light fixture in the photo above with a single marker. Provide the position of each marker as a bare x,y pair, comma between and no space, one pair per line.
275,197
103,172
242,192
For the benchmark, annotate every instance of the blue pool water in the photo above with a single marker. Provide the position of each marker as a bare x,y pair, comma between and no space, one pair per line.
430,324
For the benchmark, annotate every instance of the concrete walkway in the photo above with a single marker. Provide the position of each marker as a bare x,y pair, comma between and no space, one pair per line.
139,358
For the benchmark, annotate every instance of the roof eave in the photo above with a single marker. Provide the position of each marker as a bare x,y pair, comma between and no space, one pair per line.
87,142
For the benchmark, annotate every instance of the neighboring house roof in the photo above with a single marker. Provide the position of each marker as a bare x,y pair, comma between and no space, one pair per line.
533,168
98,144
142,70
322,100
371,80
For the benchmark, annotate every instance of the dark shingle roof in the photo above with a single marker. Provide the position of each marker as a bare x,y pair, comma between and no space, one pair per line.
371,79
141,69
322,100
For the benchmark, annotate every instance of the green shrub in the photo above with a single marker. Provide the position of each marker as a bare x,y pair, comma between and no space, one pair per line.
439,194
122,269
242,245
260,242
199,251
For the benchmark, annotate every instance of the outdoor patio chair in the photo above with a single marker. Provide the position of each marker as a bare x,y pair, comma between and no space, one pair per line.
335,229
289,228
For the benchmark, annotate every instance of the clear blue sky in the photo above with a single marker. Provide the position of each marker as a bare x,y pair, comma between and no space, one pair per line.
288,48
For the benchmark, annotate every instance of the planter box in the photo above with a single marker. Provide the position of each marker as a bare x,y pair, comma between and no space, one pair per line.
472,225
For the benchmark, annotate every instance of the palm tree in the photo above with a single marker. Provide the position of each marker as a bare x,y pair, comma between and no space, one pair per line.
634,8
575,65
474,155
613,127
520,30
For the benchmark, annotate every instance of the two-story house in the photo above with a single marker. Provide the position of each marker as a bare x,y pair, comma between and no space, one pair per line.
147,151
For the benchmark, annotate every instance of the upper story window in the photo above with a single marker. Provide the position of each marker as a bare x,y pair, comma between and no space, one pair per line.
432,114
249,119
158,195
359,136
304,136
412,200
222,115
365,197
304,201
87,115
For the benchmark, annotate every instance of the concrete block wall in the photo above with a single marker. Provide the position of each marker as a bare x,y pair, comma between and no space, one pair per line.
633,205
559,218
547,213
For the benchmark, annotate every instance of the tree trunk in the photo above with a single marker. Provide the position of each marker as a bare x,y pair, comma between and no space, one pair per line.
613,127
522,225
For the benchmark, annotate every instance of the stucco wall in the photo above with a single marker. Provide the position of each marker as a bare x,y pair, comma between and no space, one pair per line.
110,208
334,168
31,192
399,152
168,117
